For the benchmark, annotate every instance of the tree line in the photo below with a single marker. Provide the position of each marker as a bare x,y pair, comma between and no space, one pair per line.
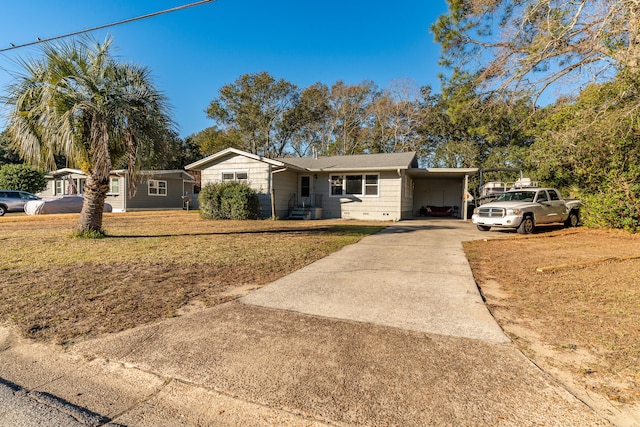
585,55
272,117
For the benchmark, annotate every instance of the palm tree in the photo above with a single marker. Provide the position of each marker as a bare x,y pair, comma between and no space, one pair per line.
79,102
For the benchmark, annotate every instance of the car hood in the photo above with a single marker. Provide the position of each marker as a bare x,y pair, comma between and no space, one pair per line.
509,205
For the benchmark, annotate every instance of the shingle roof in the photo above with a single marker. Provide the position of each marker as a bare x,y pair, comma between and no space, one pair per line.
354,162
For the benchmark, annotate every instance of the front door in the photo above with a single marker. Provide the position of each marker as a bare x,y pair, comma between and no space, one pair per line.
305,190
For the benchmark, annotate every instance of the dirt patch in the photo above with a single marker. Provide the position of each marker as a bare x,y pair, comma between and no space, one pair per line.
570,301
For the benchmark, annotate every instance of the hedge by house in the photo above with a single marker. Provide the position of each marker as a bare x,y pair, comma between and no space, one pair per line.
228,200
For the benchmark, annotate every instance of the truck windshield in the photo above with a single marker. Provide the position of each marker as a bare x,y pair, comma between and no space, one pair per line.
521,196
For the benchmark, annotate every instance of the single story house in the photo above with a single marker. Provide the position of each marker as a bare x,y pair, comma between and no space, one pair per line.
162,189
388,186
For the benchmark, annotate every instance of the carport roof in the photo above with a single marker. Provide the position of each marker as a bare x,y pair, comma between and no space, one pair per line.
441,172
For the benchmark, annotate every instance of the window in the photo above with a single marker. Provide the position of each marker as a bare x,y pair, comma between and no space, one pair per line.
542,197
59,187
235,176
114,185
354,184
305,186
357,185
371,185
157,188
553,195
336,185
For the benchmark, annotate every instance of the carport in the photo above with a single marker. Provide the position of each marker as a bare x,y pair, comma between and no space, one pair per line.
441,187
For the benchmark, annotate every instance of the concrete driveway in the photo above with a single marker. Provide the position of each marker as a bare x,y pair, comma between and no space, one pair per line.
389,331
413,275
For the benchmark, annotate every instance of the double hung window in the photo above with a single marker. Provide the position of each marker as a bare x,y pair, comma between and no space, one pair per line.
356,185
157,187
114,185
240,176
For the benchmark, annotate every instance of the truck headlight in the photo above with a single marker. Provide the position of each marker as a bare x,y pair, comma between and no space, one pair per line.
476,211
513,212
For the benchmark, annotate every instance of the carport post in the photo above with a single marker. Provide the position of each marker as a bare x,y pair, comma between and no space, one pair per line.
465,202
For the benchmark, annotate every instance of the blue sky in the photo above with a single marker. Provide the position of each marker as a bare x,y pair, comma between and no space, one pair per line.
193,52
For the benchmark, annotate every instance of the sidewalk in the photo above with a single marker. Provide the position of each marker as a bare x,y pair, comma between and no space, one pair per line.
390,331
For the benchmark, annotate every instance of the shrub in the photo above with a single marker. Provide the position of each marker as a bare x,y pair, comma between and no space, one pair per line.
228,200
615,208
21,177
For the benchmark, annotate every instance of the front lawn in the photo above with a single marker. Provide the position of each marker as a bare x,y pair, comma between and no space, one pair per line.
151,265
570,299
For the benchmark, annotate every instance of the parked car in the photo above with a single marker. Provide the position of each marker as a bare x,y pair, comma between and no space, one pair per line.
58,205
525,208
14,200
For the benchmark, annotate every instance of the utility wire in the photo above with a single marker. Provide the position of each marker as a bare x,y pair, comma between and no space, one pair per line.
126,21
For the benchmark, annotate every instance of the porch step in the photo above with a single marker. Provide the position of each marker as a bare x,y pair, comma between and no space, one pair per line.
300,213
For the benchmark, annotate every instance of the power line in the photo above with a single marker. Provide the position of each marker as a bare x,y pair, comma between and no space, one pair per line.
126,21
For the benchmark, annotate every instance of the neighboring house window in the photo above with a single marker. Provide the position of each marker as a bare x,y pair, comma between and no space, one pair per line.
357,185
235,176
157,188
59,187
114,185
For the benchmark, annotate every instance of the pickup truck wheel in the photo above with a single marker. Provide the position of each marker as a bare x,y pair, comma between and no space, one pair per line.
572,220
526,226
2,210
483,227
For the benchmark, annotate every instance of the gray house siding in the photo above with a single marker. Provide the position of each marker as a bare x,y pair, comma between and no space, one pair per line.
257,172
144,200
258,178
117,200
178,183
63,182
408,184
385,206
285,185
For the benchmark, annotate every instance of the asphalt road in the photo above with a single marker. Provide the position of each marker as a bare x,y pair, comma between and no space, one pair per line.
21,408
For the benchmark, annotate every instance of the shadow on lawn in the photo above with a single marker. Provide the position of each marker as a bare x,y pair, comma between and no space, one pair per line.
338,229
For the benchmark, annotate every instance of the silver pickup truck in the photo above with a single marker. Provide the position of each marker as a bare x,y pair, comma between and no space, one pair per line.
525,208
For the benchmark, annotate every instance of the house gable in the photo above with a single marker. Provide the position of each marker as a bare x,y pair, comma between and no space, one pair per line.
229,152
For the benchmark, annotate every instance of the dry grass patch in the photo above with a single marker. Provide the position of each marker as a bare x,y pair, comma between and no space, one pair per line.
581,315
53,286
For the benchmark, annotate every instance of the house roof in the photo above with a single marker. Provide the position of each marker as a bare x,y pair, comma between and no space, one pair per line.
381,161
64,171
203,163
188,176
442,172
120,172
356,162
